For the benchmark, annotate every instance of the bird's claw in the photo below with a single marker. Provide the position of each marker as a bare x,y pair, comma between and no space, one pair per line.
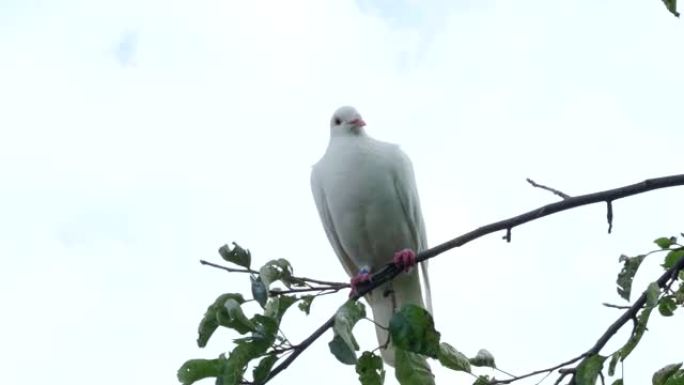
405,259
361,277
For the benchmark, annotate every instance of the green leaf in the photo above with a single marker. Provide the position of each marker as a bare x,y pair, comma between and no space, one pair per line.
265,331
412,369
672,258
671,6
274,270
195,370
209,322
664,242
343,352
661,376
626,275
452,358
277,306
346,317
231,315
588,370
642,322
482,380
679,294
237,255
613,362
652,294
618,382
263,369
667,306
370,369
237,362
259,291
483,358
676,379
413,329
305,304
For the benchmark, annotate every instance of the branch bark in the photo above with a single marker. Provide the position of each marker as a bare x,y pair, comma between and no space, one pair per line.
390,271
547,188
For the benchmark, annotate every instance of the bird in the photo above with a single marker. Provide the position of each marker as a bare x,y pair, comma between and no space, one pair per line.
367,200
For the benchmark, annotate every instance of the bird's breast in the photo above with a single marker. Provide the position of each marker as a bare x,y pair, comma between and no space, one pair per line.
367,214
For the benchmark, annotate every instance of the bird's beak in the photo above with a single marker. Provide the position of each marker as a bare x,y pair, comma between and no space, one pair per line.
358,122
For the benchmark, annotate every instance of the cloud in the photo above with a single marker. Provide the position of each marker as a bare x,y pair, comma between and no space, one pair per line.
125,50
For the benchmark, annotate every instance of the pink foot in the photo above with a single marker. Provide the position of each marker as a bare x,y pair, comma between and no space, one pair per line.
405,259
363,276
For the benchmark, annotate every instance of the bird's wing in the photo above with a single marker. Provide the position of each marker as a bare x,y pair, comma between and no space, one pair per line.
323,211
405,186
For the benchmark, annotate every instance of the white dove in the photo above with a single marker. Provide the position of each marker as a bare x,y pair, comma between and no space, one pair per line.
366,196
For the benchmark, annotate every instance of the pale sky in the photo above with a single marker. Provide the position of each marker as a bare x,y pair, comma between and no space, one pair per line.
136,137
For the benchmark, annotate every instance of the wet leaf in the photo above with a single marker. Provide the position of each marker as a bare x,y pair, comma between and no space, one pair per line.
237,255
483,358
259,291
662,376
665,242
263,369
652,294
412,369
452,358
346,317
588,370
626,275
278,305
369,367
413,329
210,322
305,304
672,258
667,306
195,370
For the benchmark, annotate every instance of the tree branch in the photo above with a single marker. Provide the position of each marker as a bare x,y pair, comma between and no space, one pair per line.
663,282
531,374
553,190
622,307
390,271
330,289
631,313
332,285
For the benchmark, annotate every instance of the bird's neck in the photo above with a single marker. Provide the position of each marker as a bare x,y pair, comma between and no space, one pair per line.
357,132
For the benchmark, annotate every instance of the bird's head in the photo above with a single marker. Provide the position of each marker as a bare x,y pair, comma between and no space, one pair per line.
346,121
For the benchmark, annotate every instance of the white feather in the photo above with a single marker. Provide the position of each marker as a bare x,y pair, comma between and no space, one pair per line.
367,199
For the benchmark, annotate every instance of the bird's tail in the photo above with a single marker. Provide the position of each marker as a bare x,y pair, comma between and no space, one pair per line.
426,283
387,300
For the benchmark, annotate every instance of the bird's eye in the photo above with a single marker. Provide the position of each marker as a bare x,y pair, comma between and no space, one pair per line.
338,121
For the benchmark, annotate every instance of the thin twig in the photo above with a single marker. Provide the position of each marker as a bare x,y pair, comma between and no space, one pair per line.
543,378
547,188
609,215
341,285
560,378
536,372
623,307
390,271
504,372
375,323
334,289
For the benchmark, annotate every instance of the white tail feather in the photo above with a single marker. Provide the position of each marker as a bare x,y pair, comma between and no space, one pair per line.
426,283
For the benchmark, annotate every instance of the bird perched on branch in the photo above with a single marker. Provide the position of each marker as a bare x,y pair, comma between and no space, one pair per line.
366,196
